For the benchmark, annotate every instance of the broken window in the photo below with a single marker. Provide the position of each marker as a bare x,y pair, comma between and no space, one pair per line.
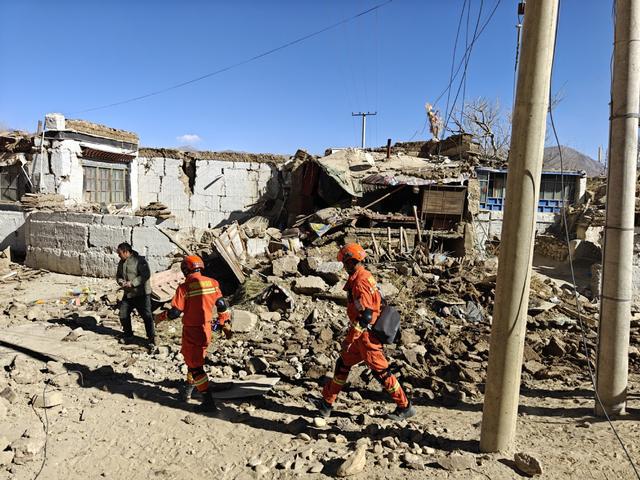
105,182
10,184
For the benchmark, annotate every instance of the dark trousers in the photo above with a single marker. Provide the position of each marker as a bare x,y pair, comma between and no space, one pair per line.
142,305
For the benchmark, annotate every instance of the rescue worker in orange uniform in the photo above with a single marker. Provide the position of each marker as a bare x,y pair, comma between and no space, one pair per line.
360,345
196,298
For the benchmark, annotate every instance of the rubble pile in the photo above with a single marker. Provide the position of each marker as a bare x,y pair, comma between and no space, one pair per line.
155,209
38,201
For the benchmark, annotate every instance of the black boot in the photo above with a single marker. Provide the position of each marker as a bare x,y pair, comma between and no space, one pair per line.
207,405
324,408
185,391
402,413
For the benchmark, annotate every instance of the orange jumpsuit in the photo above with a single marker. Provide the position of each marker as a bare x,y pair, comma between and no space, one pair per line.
363,293
196,298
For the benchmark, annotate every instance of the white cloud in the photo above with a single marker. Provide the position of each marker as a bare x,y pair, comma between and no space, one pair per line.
188,138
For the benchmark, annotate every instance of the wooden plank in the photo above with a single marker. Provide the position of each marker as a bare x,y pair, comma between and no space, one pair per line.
227,254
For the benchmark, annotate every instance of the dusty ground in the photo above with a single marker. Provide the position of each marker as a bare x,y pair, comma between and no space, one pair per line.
119,417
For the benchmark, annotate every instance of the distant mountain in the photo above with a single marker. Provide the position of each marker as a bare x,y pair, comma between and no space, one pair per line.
571,160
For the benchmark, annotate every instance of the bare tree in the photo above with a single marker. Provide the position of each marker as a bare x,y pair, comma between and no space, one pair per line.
488,123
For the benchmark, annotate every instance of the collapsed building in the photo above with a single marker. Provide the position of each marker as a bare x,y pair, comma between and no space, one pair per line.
74,190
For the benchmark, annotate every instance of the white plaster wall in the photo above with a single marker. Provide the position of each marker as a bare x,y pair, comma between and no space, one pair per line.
12,231
220,189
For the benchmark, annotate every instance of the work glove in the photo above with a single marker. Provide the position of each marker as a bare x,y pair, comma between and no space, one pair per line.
346,345
161,317
226,329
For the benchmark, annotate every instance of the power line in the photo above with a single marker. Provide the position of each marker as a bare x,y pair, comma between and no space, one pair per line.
464,60
585,346
238,64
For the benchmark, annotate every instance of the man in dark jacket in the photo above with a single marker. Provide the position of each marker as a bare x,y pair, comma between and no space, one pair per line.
134,278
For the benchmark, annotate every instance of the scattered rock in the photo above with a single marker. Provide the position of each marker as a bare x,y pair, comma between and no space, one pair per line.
319,422
354,463
244,321
457,461
316,467
6,458
310,285
527,464
26,449
257,365
555,348
285,266
48,400
74,335
261,470
9,395
4,409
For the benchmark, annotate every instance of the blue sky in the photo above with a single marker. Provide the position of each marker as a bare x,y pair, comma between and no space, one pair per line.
69,56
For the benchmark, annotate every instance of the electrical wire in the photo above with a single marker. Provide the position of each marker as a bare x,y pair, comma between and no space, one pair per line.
45,422
240,63
585,346
464,60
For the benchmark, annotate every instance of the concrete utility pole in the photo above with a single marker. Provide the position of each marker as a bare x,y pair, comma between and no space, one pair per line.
516,247
612,361
364,116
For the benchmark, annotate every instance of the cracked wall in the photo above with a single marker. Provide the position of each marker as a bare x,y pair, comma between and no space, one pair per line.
204,193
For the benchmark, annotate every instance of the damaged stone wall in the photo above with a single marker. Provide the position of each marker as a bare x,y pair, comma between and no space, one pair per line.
12,231
85,243
204,192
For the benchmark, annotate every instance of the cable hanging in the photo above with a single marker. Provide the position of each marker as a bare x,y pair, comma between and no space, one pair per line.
238,64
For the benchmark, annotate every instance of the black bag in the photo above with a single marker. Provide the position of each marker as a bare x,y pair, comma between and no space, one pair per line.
387,327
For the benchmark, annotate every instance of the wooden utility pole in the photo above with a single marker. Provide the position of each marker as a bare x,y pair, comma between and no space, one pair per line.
615,302
516,247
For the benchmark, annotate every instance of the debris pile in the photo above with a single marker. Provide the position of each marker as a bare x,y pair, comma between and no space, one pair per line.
42,201
155,209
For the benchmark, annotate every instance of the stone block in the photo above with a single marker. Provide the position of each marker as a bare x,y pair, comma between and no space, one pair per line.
204,203
95,263
150,241
83,218
131,221
173,167
70,236
107,237
205,219
208,180
153,166
310,285
149,183
243,321
331,272
234,204
233,176
149,221
112,220
284,266
159,264
53,259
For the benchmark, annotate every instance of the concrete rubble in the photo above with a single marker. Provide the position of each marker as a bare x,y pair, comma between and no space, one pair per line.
277,267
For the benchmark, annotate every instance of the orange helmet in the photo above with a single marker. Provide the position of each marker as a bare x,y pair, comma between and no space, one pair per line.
191,263
351,251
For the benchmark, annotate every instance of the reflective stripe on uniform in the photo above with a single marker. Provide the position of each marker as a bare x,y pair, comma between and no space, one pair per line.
204,291
395,387
338,381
